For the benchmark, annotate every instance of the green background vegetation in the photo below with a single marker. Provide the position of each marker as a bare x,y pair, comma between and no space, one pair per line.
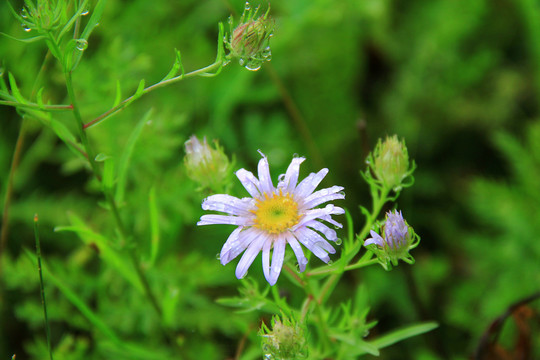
458,80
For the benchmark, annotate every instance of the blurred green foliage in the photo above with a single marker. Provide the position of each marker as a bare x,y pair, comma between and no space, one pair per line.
458,80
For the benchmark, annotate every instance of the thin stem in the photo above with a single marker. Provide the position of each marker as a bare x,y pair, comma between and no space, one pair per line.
80,128
110,199
9,190
379,199
201,72
37,106
323,326
43,302
360,264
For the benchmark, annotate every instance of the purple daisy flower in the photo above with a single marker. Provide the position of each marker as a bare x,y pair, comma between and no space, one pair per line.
274,217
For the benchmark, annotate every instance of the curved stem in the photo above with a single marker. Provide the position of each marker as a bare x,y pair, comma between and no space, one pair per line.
206,71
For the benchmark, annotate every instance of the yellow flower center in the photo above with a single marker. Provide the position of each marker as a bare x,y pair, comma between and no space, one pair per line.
276,213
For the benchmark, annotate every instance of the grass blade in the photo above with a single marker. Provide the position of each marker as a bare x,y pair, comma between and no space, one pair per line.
43,302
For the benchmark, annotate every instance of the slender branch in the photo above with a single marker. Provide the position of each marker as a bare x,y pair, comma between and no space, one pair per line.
206,71
37,106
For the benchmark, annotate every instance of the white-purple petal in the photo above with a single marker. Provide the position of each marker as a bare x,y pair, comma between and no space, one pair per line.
322,196
375,239
265,182
249,255
237,242
315,243
277,259
225,220
325,230
312,214
291,176
298,252
266,259
249,181
229,204
309,184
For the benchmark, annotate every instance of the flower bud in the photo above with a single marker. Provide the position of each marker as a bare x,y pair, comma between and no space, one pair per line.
390,162
286,340
398,238
249,41
207,166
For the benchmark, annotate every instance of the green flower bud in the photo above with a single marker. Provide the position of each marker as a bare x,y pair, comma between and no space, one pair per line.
249,41
286,340
205,165
390,163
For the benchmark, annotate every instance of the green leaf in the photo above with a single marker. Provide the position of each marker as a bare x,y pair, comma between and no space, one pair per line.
154,225
101,157
177,66
94,19
118,96
72,20
108,174
76,301
39,97
138,93
15,89
109,255
123,165
404,333
29,40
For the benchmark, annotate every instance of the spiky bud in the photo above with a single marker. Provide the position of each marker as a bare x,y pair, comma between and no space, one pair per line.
286,340
208,166
249,41
389,163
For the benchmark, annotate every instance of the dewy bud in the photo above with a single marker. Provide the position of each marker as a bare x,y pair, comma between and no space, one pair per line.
390,162
205,165
398,238
286,340
249,41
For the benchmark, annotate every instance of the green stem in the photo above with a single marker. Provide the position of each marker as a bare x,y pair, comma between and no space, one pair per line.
206,71
379,199
42,288
323,326
37,106
110,199
80,126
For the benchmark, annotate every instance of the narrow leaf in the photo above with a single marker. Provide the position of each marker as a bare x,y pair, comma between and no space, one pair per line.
154,225
94,19
110,256
118,96
15,89
76,301
29,40
177,66
404,333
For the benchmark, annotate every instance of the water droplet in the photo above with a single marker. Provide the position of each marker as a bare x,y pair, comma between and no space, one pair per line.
339,241
81,44
342,193
281,177
24,13
242,62
247,7
230,20
295,156
218,256
26,28
330,262
304,261
253,65
85,12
